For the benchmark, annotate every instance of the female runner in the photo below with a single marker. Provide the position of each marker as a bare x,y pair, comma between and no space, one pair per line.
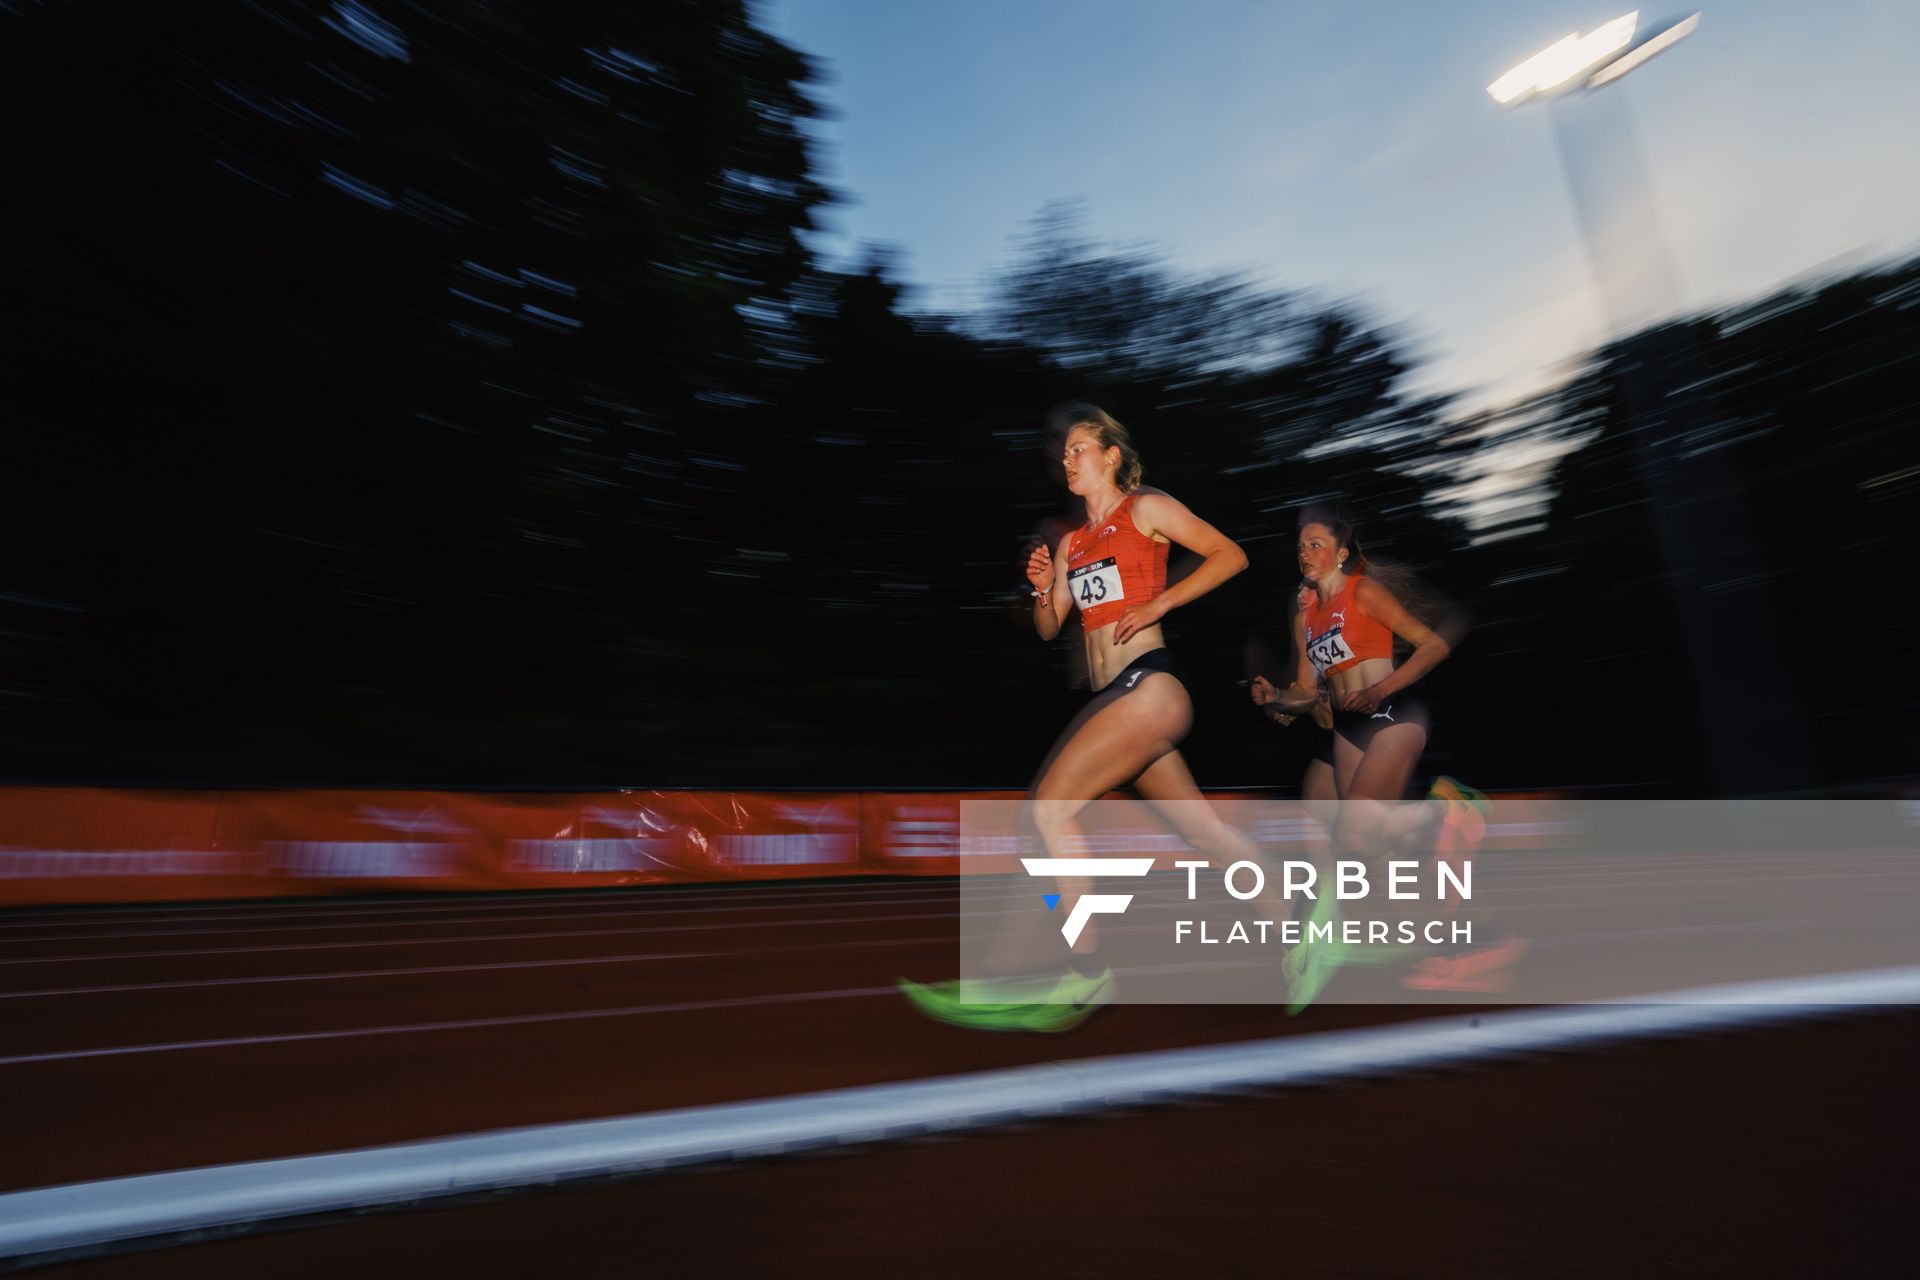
1113,569
1344,638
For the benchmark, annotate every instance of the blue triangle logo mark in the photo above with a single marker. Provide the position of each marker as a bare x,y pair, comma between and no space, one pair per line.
1051,899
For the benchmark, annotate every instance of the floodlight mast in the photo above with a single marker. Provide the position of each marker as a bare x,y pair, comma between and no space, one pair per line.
1600,152
1715,578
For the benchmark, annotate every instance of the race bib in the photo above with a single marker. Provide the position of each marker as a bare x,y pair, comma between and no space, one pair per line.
1096,583
1327,651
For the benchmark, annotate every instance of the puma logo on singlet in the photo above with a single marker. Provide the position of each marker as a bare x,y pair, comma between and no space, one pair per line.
1106,532
1339,617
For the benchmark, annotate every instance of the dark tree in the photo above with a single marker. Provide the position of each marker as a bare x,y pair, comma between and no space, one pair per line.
382,373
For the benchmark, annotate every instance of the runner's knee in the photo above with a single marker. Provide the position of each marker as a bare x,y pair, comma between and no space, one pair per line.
1054,818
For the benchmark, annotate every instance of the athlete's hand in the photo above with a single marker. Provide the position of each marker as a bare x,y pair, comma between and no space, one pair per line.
1136,619
1267,698
1292,701
1040,568
1323,709
1367,699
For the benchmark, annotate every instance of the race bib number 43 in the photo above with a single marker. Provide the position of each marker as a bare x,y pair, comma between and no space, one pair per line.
1096,583
1328,651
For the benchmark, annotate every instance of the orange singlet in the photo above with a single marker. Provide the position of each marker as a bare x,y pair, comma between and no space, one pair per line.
1339,635
1112,567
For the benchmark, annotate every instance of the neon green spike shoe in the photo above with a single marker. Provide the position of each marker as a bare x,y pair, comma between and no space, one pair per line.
1310,965
1307,968
942,1001
1071,1001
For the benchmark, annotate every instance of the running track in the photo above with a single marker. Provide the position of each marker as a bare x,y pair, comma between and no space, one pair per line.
139,1039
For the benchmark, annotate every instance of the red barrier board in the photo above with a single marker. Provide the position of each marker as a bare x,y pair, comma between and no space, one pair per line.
718,835
71,844
77,845
321,842
74,845
916,833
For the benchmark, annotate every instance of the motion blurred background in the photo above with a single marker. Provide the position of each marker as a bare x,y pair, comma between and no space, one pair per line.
515,395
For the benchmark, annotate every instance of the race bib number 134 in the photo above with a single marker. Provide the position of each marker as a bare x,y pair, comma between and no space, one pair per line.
1328,650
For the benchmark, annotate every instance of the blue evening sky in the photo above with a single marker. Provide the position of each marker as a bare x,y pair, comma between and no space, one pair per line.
1350,149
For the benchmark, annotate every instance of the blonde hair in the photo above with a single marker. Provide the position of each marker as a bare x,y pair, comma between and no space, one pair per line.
1105,429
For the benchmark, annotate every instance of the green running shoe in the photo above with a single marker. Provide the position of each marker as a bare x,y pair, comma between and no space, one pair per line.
1071,1001
1076,998
942,999
1307,968
1310,965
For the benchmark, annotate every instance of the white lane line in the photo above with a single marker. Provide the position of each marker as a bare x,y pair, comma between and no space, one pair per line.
1731,895
1851,924
267,980
625,914
1013,890
160,1206
745,897
377,943
1513,894
347,975
1495,875
456,1024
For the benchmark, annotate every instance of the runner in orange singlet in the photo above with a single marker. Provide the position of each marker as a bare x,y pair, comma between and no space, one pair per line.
1113,569
1345,639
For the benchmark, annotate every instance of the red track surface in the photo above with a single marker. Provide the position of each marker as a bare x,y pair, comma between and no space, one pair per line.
320,1025
143,1039
1779,1152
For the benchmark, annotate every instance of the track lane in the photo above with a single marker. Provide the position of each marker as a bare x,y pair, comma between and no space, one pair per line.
1775,1151
440,1016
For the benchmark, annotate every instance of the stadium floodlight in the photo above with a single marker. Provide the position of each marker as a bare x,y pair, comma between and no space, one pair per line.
1635,284
1654,42
1558,63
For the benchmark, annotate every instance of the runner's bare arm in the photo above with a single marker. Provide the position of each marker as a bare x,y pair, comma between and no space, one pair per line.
1298,698
1162,515
1051,602
1429,650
